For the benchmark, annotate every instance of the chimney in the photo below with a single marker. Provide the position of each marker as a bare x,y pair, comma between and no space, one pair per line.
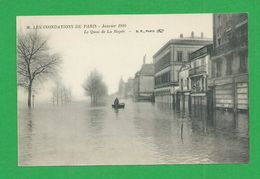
192,34
201,35
144,58
181,36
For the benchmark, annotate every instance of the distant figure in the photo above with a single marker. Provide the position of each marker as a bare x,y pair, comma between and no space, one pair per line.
116,102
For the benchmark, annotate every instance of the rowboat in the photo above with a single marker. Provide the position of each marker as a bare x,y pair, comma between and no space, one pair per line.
118,106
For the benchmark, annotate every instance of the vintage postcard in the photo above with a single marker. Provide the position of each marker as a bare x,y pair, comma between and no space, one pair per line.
132,89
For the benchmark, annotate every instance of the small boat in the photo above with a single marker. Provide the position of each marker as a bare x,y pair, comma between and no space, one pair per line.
118,106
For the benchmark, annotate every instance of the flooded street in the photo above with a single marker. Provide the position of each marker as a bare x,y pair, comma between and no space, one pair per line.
142,133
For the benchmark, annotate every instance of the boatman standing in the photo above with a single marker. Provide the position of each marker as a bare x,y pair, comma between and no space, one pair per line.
116,102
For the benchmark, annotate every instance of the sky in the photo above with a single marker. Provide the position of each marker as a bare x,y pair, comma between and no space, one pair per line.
114,55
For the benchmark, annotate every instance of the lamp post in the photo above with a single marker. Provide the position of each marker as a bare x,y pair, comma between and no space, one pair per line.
33,100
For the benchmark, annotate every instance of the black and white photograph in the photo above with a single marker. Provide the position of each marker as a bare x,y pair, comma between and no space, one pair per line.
158,89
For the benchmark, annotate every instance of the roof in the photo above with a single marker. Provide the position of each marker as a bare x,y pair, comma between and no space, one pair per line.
147,69
185,41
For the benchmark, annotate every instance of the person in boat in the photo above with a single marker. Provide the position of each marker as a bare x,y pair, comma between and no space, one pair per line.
116,102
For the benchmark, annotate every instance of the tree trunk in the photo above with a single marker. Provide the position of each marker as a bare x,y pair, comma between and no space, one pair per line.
30,95
57,95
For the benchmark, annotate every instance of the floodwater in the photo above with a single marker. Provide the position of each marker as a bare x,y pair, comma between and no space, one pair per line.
142,133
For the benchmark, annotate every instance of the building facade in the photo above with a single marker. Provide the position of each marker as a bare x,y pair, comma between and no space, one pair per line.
229,80
199,73
121,92
144,83
183,98
168,61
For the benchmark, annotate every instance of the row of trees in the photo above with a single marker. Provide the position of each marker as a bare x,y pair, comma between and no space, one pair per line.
61,94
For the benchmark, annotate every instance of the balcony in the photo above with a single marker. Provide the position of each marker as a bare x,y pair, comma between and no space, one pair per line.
238,41
197,70
162,85
222,49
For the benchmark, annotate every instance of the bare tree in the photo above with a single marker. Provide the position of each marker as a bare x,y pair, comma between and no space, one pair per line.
94,86
56,92
34,60
60,94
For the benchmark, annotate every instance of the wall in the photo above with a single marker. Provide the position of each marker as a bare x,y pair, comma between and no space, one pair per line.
146,84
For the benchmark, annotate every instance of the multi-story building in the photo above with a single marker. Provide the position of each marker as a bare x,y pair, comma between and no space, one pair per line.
229,80
168,60
144,83
199,73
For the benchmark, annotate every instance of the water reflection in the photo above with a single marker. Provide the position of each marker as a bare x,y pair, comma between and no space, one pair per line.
142,133
116,112
188,136
95,117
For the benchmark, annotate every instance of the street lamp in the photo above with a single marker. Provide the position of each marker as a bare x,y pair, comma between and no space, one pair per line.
33,99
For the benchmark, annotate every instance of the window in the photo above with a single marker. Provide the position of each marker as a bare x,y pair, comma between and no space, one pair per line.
219,68
243,30
219,41
228,22
202,84
219,20
179,56
229,65
242,62
213,69
188,83
181,84
242,35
